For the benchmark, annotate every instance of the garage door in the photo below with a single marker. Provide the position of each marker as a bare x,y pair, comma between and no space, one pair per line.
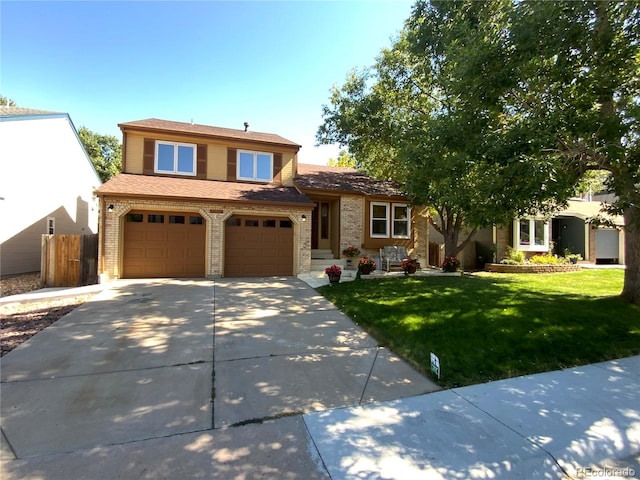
607,245
258,246
164,244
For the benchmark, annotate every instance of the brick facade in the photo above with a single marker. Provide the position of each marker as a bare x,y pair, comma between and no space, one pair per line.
215,215
351,221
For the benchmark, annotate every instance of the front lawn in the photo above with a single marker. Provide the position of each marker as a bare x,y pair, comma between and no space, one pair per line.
491,326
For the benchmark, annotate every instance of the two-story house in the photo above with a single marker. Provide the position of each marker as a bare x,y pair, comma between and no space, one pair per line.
203,201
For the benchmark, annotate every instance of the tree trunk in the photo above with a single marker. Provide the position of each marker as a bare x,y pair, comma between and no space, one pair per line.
631,289
451,244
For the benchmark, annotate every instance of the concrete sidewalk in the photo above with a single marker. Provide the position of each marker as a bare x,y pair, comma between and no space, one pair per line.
577,423
122,388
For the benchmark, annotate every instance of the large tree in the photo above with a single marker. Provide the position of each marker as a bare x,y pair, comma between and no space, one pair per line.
576,91
411,118
105,152
486,110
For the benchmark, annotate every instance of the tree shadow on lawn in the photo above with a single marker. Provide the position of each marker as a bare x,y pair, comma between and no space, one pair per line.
485,329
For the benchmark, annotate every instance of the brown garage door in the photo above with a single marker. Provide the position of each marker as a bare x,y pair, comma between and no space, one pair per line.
164,244
258,246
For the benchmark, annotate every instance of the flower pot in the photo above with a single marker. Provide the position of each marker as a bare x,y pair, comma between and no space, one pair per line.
365,270
411,269
334,278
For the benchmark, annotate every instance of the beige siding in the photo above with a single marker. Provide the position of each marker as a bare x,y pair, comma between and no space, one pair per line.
288,168
134,154
216,154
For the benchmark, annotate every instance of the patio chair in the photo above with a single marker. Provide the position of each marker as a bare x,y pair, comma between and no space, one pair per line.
392,256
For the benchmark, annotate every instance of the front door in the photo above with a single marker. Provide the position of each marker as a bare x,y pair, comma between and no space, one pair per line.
324,226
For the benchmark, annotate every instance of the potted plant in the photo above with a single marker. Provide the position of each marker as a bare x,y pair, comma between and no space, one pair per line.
350,253
333,272
450,264
366,265
574,258
410,265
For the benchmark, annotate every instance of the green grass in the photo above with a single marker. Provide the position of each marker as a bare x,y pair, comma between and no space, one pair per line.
493,326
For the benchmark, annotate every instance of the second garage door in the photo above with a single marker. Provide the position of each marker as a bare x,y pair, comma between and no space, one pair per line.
258,246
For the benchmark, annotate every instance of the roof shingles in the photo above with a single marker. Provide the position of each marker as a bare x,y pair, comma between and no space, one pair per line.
126,184
207,130
341,179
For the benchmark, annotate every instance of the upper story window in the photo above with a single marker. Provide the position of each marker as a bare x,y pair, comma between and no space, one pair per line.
176,158
532,235
254,166
390,220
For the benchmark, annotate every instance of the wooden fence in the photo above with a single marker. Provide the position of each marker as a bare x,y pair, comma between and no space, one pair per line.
69,260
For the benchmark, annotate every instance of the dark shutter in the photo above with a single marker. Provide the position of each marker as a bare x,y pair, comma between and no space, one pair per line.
277,168
231,164
148,156
201,171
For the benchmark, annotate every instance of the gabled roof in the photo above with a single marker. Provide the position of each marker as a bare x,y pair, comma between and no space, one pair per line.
341,179
130,185
155,124
6,111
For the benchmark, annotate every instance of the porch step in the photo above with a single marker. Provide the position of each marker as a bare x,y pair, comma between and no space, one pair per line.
319,264
321,254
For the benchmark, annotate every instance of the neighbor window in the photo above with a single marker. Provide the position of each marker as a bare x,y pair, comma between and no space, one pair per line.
178,158
390,220
532,235
51,225
254,166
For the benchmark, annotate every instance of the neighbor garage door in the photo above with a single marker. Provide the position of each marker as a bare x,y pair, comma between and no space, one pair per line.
607,245
258,246
164,244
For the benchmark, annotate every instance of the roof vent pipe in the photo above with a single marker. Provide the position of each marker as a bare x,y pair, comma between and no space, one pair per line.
246,126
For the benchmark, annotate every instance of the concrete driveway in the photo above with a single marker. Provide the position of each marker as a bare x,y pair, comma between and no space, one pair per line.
133,363
137,363
282,349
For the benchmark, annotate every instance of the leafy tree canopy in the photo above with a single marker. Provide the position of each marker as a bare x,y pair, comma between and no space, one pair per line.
489,110
105,152
7,102
344,160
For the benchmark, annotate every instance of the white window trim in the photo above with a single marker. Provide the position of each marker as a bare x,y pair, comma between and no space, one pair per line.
531,247
371,219
175,158
255,166
408,219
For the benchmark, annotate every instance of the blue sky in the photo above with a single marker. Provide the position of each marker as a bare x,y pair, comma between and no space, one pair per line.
271,64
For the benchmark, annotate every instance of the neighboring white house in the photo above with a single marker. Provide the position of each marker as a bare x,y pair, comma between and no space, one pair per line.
46,185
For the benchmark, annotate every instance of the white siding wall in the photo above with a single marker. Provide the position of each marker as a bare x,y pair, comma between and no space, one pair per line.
44,172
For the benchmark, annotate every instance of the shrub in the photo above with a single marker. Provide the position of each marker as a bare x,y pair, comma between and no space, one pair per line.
545,259
514,257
